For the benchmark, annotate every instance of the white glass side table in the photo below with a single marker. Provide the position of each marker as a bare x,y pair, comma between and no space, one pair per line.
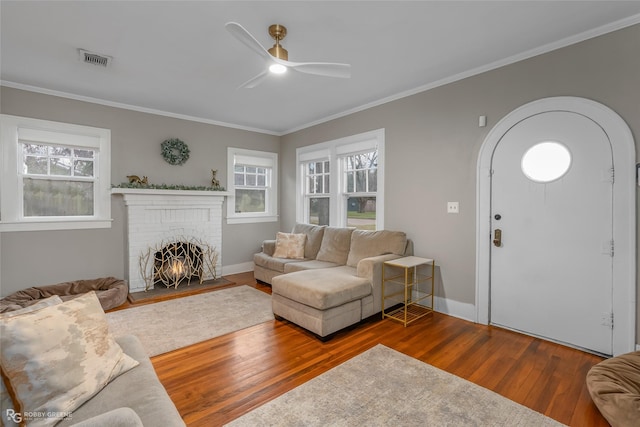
407,282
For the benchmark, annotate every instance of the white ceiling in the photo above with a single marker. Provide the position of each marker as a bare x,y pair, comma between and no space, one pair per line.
176,58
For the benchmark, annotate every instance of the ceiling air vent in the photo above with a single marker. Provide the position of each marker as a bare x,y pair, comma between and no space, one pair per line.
94,58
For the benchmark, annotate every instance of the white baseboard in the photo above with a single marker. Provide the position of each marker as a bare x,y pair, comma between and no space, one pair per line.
457,309
237,268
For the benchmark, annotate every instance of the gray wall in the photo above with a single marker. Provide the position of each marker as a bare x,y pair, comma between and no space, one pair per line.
47,257
432,144
433,140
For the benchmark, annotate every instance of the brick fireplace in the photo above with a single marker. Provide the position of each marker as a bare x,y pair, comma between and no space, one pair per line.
156,216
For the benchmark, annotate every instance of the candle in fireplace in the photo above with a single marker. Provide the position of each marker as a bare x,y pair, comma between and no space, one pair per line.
176,270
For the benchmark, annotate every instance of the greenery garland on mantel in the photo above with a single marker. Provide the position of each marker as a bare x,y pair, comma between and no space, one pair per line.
167,187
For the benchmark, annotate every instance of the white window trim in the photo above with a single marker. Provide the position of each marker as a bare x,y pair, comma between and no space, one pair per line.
11,216
334,150
262,158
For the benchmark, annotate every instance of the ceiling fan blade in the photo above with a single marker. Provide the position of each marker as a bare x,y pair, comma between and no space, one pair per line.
239,32
254,81
326,69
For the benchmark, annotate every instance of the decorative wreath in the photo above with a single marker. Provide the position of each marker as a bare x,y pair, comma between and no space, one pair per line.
175,151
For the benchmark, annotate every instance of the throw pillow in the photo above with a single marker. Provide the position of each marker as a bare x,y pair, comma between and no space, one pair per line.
6,404
56,358
335,245
314,238
365,244
289,245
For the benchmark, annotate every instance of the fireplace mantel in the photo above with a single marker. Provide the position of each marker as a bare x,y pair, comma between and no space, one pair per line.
146,192
153,216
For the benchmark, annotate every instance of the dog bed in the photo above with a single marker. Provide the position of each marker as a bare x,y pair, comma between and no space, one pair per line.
111,292
614,385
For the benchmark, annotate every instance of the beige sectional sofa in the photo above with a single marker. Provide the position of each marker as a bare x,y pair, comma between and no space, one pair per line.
336,281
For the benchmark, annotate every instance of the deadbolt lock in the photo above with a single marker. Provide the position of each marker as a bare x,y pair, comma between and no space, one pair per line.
497,237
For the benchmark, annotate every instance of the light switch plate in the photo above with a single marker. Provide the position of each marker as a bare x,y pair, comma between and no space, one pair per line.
453,207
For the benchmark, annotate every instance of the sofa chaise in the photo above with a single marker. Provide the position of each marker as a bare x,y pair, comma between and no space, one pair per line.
334,280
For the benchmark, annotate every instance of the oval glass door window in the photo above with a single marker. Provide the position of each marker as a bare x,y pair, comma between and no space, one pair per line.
546,162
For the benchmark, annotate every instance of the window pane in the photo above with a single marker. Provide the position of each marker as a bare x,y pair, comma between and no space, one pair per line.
361,180
60,151
35,149
311,168
361,213
319,210
367,160
373,180
262,180
83,168
35,165
319,182
350,188
84,154
43,197
250,201
326,167
60,167
349,163
318,167
546,162
238,168
251,169
238,179
326,183
251,180
262,170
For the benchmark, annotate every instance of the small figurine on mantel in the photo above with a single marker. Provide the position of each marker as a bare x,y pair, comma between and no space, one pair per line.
214,181
135,179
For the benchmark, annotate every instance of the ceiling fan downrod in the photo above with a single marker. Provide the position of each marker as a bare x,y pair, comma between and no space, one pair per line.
278,32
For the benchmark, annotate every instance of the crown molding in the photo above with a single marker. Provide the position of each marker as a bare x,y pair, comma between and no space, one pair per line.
137,108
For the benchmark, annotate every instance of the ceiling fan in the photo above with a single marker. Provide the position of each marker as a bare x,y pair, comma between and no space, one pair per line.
278,58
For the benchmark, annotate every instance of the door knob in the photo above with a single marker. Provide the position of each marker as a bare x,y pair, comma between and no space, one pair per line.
497,237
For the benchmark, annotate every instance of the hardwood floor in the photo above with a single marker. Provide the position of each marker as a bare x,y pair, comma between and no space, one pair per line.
216,381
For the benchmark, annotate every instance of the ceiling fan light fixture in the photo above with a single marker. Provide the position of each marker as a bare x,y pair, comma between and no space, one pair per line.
277,68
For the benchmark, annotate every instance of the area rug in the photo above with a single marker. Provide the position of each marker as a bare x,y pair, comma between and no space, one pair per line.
177,323
382,387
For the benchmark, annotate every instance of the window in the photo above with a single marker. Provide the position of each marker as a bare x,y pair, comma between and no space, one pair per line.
253,186
339,181
317,194
57,175
361,182
546,162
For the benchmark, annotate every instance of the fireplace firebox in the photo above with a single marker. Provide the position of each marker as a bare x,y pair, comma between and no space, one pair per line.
176,262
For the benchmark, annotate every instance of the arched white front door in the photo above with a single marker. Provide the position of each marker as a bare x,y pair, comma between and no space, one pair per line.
555,271
551,205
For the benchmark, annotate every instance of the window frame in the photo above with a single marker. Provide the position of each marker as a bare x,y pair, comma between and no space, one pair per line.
261,159
335,151
58,134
